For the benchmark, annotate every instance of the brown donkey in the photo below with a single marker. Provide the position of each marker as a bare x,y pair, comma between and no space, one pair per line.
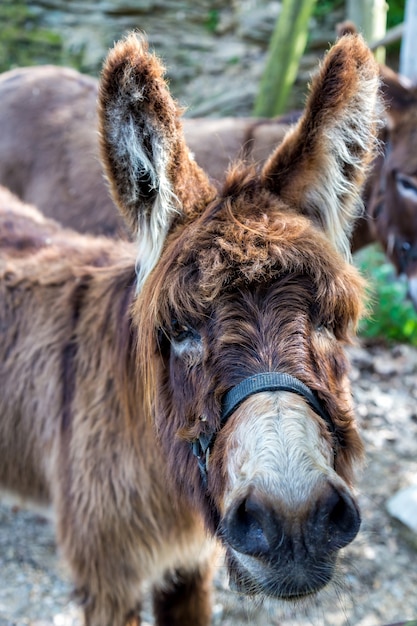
390,194
392,190
193,386
49,147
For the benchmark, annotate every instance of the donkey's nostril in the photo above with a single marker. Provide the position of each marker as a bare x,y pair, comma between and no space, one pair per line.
253,527
339,519
245,527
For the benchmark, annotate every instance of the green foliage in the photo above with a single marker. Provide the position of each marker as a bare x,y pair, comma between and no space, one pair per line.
392,317
395,13
395,16
212,20
324,7
21,41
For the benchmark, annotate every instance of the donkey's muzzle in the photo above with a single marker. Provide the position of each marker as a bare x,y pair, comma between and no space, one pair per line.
288,554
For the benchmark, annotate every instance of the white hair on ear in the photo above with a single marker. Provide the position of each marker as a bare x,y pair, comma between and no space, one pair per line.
153,230
153,225
337,197
149,165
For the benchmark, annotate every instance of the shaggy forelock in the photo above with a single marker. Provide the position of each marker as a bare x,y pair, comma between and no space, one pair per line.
233,251
226,251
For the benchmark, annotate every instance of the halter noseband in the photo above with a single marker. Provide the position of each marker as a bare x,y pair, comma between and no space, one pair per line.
266,381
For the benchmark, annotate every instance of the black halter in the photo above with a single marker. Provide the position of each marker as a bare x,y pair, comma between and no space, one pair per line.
267,381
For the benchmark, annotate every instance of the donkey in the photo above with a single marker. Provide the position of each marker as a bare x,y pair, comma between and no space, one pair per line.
49,149
392,202
390,193
192,387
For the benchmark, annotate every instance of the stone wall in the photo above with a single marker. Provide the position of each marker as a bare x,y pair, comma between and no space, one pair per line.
214,50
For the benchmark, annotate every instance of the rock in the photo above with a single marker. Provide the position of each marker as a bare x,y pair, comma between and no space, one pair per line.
257,22
403,506
360,357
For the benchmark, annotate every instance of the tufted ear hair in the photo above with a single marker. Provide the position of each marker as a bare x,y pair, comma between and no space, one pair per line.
321,165
152,174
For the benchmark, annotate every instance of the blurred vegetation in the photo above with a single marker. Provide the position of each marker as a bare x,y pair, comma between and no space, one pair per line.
23,41
212,20
324,7
395,16
392,317
395,13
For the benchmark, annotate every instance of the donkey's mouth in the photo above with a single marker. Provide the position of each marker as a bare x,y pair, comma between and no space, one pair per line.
288,582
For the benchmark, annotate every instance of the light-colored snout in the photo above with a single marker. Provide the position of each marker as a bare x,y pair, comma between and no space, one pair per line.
287,554
287,513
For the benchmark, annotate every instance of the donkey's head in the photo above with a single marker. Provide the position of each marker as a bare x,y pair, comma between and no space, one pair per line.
393,200
246,301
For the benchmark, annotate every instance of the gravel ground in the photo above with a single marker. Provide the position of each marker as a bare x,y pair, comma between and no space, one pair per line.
377,583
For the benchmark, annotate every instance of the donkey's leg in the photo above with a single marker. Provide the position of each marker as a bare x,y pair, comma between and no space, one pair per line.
184,599
106,611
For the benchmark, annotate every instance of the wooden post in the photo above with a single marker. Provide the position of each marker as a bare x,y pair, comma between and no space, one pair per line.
285,49
408,57
370,18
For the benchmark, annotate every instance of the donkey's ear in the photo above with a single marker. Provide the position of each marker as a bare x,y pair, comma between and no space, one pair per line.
396,90
319,168
152,174
399,95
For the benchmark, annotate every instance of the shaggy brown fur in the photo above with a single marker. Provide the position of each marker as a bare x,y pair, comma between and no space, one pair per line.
107,379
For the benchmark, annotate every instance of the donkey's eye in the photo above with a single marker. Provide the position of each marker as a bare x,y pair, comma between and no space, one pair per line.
324,329
186,343
406,185
181,332
319,323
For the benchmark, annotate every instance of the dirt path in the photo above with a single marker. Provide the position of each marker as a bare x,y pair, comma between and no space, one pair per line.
377,584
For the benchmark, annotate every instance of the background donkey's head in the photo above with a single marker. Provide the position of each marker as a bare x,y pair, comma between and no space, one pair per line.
392,202
246,299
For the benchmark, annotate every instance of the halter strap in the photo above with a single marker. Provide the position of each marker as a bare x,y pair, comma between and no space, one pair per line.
266,381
